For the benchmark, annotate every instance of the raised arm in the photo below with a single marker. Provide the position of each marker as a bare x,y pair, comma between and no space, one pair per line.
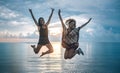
50,16
85,24
63,25
30,10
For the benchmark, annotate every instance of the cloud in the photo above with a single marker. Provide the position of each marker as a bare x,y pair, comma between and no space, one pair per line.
7,14
94,31
15,20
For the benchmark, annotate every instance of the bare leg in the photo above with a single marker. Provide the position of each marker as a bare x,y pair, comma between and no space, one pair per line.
36,50
65,45
49,46
66,54
72,53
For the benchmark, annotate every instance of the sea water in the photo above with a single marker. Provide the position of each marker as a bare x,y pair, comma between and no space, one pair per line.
100,57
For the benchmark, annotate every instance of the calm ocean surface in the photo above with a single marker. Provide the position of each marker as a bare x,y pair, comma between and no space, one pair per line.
98,58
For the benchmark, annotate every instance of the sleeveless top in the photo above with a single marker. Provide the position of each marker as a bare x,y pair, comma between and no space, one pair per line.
43,35
71,37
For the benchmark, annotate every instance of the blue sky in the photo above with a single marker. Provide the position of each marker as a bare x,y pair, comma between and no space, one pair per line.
15,19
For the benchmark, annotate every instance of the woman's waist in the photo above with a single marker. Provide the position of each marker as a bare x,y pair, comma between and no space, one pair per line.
43,37
69,42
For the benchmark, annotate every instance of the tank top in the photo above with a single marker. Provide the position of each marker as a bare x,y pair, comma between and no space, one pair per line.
43,32
72,37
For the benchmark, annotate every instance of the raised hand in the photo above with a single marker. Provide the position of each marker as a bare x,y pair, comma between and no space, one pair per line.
84,24
90,19
30,10
59,11
52,9
50,16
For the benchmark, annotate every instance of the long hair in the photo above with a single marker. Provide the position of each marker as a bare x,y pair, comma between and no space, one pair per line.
41,18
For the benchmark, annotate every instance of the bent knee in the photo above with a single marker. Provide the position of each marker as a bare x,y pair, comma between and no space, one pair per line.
66,57
51,51
70,57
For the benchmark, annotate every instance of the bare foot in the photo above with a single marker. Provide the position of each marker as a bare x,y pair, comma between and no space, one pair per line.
34,49
33,46
42,54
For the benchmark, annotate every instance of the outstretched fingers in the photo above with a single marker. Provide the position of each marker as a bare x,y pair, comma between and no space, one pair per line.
59,11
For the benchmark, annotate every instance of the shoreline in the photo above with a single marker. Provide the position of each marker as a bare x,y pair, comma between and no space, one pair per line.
19,40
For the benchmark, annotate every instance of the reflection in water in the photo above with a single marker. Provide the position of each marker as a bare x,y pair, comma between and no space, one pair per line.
88,50
47,63
98,58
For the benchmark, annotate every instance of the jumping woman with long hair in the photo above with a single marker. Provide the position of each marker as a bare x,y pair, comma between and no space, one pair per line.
43,34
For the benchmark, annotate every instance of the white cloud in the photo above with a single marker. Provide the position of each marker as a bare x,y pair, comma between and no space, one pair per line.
94,31
7,13
15,23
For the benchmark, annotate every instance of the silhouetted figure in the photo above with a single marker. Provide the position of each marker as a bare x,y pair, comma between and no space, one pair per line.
43,34
70,37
